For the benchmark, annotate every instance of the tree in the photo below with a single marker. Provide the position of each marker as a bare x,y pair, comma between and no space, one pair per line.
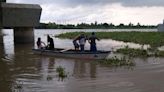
138,24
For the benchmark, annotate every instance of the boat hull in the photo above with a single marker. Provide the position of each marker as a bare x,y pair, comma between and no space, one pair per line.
73,53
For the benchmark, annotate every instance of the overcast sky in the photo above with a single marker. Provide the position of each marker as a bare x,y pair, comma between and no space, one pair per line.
147,12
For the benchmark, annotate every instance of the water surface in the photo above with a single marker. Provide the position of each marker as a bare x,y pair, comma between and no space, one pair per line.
22,71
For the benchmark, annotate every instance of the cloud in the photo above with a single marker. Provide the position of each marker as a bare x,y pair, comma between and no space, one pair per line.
115,13
74,3
110,11
75,14
139,3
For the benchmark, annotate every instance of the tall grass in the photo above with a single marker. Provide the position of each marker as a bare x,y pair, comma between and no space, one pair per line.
154,39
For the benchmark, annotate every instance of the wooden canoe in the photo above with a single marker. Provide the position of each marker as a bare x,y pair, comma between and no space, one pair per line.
69,53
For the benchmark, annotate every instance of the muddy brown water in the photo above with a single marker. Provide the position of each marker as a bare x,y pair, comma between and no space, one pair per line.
22,71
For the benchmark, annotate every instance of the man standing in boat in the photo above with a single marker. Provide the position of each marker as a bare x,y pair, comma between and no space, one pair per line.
92,41
82,41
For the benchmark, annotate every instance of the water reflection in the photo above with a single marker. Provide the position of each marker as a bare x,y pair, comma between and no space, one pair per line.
93,70
79,69
5,77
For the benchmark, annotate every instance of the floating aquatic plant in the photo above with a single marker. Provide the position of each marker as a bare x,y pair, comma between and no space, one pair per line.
133,52
114,61
61,72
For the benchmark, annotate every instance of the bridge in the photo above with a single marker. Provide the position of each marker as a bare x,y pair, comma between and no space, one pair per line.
22,18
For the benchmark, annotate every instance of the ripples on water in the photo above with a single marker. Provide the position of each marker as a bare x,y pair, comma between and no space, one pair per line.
21,71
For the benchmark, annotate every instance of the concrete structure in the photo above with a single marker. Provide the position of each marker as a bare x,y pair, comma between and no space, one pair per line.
22,18
2,0
161,27
23,34
1,37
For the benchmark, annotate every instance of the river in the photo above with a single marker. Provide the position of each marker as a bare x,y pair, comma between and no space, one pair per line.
22,71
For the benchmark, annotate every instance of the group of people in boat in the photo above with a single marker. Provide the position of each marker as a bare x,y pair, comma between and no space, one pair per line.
78,42
42,45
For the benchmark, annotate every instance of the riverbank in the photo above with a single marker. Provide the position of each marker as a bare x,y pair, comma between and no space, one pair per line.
154,39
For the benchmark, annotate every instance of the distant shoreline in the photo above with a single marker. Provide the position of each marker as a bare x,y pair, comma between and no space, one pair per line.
84,28
91,26
94,26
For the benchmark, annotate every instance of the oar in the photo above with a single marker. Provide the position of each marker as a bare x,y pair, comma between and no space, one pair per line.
65,50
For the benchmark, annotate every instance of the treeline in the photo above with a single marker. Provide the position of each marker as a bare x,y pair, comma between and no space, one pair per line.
92,26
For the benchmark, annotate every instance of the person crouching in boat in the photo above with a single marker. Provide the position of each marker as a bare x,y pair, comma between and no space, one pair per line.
40,44
76,45
50,43
92,40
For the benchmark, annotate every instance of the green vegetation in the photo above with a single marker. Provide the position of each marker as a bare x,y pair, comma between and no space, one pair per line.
133,52
61,72
140,52
159,54
117,62
92,26
154,39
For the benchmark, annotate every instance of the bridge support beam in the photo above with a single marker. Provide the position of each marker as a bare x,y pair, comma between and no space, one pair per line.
1,36
23,35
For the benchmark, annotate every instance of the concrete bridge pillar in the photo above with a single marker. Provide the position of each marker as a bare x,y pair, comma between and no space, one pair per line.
23,35
1,43
1,36
22,18
2,0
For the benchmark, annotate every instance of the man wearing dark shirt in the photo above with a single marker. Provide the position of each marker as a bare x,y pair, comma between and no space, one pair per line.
92,41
